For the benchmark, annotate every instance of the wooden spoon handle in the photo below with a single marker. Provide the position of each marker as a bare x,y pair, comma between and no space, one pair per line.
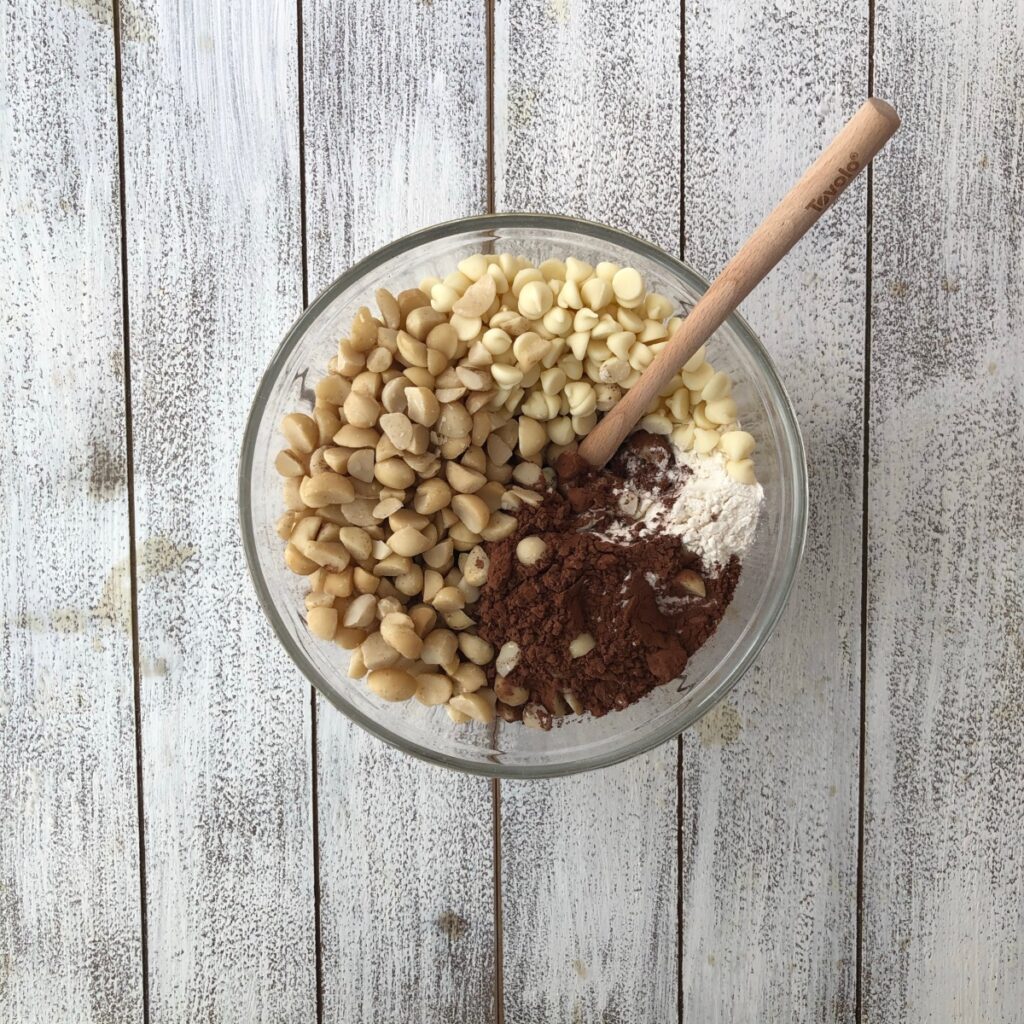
845,157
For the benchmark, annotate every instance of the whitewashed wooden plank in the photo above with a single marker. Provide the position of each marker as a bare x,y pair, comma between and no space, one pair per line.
70,938
944,763
396,138
214,256
587,122
770,778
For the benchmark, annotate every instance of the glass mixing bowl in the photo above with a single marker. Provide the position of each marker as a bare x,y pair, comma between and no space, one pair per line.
576,743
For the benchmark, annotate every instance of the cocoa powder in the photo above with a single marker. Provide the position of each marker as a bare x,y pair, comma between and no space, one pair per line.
630,597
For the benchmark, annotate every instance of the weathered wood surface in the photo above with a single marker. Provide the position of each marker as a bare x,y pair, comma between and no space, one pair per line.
770,777
944,764
70,941
396,140
214,275
587,122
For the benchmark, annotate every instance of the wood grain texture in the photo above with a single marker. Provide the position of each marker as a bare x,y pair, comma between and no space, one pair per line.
70,940
211,148
770,798
943,872
396,139
587,123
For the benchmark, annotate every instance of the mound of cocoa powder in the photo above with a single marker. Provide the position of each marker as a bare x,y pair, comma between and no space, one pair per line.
629,597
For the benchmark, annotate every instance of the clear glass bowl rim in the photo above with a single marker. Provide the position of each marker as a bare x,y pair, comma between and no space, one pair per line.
792,452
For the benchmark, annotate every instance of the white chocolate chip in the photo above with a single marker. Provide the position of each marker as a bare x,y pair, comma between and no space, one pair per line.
569,296
737,444
560,431
656,424
585,320
613,371
696,379
558,321
582,398
496,341
620,343
704,441
530,550
718,386
443,298
700,417
628,285
741,470
721,410
524,276
696,360
577,270
597,293
535,299
581,645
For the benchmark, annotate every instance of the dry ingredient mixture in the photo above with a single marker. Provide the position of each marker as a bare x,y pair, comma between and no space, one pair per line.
592,624
454,541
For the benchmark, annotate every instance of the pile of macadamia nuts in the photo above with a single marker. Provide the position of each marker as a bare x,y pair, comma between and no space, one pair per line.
438,419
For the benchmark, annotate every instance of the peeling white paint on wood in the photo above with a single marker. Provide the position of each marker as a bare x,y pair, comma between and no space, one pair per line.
587,123
587,108
944,796
214,275
770,782
396,138
70,946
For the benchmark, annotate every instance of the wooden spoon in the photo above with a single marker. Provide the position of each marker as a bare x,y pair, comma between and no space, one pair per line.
846,156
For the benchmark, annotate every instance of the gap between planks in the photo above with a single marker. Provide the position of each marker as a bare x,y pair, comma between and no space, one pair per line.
130,486
864,568
499,938
680,852
318,956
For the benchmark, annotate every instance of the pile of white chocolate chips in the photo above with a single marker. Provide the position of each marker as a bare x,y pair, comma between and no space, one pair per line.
437,420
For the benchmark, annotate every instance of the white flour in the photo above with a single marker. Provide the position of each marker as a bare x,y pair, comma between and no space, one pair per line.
713,515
